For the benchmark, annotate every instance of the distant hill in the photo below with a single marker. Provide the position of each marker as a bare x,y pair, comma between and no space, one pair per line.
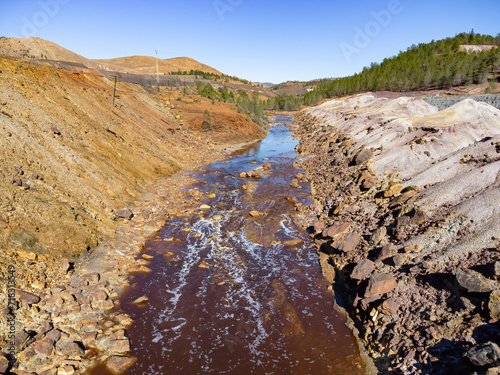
37,48
147,65
467,58
40,49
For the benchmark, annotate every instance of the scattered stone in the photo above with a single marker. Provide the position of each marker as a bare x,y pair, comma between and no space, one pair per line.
118,365
378,236
92,278
346,242
398,260
4,364
363,269
212,196
484,354
295,184
66,370
256,214
145,269
140,300
293,243
494,304
412,248
53,335
99,295
204,265
27,298
71,349
147,257
44,347
475,282
205,207
124,214
243,174
318,226
28,255
336,229
363,156
402,198
369,181
119,346
392,190
64,265
390,306
497,268
386,252
380,283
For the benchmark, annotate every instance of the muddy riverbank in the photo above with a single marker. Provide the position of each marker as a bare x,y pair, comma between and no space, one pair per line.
407,213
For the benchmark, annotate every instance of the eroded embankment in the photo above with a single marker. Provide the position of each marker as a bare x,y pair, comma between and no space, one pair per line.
408,202
71,166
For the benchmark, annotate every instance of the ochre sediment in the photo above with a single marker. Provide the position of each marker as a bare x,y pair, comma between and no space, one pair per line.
408,207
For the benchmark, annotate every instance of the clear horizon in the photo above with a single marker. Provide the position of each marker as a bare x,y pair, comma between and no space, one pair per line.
260,41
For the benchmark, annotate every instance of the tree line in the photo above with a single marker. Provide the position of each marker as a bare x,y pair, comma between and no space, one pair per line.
436,65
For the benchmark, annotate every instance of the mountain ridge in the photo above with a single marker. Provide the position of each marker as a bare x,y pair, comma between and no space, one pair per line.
34,48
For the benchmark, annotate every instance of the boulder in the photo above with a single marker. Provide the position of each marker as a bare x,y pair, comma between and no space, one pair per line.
475,282
295,184
118,365
363,269
380,283
484,354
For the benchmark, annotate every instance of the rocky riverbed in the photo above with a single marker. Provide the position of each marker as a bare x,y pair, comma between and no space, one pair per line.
76,167
408,206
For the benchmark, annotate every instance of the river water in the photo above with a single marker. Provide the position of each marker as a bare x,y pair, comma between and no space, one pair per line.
255,306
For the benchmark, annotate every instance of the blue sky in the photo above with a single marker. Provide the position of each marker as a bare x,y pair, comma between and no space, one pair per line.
271,40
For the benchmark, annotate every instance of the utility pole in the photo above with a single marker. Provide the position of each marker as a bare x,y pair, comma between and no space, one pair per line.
114,93
157,73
